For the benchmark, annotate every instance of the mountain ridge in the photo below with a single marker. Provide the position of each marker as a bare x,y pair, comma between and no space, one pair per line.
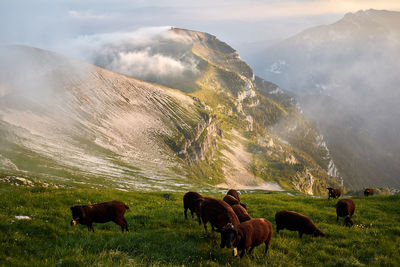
222,132
231,91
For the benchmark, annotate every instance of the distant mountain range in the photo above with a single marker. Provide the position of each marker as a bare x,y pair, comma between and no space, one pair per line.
346,76
66,120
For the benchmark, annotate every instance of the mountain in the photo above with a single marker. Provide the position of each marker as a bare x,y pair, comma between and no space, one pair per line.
64,120
263,135
69,121
346,77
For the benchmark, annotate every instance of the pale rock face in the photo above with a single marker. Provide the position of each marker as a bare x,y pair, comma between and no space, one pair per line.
291,159
304,182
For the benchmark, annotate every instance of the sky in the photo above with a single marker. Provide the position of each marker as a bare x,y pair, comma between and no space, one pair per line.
246,25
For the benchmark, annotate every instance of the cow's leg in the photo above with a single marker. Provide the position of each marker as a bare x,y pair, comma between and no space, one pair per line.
120,222
126,225
185,212
205,226
251,249
191,212
266,247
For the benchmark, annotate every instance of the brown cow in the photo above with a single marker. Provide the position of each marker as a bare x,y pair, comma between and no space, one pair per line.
368,192
247,235
233,201
333,193
217,212
234,193
100,213
294,221
241,213
345,208
191,202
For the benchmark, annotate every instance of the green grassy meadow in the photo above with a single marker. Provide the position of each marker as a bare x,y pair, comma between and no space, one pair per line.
159,234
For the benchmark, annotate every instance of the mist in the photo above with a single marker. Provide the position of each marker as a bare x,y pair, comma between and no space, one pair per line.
346,76
150,53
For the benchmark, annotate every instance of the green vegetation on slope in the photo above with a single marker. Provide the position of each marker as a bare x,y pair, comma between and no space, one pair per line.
263,115
159,234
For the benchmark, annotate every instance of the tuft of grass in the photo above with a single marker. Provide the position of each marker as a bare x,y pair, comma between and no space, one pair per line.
159,234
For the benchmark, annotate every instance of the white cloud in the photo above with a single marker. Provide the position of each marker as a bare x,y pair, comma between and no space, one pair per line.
135,53
143,64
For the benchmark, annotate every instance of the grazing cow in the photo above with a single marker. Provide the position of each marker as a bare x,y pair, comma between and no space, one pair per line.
294,221
217,212
368,192
345,208
333,193
241,213
191,202
247,235
234,193
100,213
233,201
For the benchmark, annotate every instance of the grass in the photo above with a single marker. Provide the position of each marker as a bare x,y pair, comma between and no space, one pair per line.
159,234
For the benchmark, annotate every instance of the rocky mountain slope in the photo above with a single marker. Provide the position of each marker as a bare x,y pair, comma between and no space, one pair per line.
69,121
263,136
346,77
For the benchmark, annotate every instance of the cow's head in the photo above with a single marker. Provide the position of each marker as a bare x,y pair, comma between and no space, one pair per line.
318,232
348,221
77,214
229,235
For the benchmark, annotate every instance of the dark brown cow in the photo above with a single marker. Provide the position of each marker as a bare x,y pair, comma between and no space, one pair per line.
241,213
234,193
233,201
217,212
294,221
191,202
100,213
368,192
345,208
247,235
333,193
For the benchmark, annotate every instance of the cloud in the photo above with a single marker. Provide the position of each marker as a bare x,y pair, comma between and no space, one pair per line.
151,53
143,64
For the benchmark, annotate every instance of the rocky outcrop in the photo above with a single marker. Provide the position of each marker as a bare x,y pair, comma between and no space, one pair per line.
204,144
